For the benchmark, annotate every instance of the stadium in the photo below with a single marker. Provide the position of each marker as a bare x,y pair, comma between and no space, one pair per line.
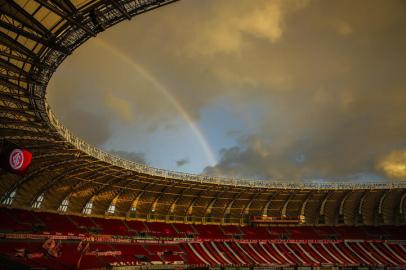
78,207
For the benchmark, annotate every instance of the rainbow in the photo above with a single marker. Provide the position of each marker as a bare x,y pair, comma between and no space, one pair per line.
167,94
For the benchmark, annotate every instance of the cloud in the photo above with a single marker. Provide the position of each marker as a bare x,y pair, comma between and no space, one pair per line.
226,29
393,165
344,28
259,159
254,158
330,85
182,162
84,124
132,156
119,106
91,126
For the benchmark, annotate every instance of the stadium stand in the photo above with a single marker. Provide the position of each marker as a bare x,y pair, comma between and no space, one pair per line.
79,244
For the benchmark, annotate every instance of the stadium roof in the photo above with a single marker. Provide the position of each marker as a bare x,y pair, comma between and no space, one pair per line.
35,37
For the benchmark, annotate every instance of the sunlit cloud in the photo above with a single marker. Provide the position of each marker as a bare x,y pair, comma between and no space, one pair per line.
225,31
394,165
119,106
343,28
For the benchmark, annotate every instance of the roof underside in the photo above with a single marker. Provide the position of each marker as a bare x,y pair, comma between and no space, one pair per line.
35,37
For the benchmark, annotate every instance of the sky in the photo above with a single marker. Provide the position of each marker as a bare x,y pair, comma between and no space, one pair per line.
290,90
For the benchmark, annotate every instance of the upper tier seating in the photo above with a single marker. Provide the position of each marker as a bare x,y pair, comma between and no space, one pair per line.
185,229
111,226
16,220
135,226
161,229
209,231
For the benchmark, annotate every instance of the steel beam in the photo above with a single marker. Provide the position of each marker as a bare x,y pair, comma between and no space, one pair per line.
13,10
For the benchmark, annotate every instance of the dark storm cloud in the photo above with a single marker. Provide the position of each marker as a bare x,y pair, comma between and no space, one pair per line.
328,75
182,162
254,158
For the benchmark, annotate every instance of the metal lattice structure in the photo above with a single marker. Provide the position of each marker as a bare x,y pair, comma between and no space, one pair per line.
35,37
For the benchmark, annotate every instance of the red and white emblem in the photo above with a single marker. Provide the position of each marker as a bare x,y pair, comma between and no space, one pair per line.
16,159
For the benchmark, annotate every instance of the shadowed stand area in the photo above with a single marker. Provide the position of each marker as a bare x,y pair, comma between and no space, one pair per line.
53,241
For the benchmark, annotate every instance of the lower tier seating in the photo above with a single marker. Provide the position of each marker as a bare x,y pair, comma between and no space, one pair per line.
53,241
90,254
